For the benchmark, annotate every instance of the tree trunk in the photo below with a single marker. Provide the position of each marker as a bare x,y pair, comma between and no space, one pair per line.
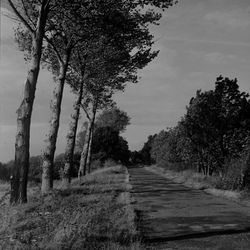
50,148
82,167
19,176
85,151
88,164
71,138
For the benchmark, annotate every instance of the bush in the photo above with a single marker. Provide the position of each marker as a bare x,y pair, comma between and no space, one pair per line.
109,163
233,176
96,164
5,170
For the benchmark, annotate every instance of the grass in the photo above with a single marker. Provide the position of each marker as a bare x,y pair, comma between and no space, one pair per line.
209,184
96,215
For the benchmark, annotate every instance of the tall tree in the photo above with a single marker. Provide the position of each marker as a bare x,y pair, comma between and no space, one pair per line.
66,33
217,124
71,136
36,28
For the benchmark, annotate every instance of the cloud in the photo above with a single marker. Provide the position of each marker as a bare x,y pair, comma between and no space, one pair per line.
237,18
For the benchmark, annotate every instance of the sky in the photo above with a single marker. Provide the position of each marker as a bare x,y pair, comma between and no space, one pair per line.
198,41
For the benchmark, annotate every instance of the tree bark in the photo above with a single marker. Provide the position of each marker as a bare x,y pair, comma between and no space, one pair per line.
88,164
50,148
71,139
84,155
19,176
82,167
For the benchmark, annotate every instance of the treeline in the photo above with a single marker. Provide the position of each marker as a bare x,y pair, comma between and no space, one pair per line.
212,138
108,148
96,47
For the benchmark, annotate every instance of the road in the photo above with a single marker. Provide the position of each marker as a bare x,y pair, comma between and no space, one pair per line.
171,211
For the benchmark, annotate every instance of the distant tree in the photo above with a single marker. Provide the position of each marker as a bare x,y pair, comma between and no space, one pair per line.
135,158
107,144
115,118
5,171
35,173
146,151
159,148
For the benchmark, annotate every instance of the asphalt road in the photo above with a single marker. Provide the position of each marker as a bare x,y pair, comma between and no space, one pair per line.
171,211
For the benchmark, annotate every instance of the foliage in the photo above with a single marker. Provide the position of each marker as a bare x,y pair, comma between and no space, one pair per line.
115,118
109,163
107,144
212,137
5,170
136,158
146,151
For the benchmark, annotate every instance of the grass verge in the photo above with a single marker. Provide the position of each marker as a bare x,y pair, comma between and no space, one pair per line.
96,215
196,180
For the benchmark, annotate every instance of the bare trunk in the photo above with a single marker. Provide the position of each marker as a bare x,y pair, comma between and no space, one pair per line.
88,164
84,153
71,138
19,176
50,148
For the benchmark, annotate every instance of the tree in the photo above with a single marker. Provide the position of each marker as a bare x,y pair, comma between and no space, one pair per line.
68,41
115,118
107,144
71,136
133,39
159,148
36,28
145,152
68,33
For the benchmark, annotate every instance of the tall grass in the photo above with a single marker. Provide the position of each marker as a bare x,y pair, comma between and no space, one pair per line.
96,215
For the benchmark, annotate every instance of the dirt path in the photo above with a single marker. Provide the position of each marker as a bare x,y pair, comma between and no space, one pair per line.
170,211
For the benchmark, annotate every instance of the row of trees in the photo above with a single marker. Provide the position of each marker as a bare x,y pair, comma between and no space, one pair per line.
94,46
213,136
108,146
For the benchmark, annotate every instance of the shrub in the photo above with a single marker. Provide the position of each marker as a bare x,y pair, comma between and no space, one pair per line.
96,164
234,173
110,163
5,170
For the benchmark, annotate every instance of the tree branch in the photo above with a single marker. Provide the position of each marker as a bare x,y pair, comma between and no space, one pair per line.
22,19
26,13
85,111
54,48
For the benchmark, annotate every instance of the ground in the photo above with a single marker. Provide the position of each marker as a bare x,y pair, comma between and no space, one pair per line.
117,210
96,215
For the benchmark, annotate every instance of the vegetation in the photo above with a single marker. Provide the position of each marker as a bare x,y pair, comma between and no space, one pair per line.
50,31
96,215
107,142
212,138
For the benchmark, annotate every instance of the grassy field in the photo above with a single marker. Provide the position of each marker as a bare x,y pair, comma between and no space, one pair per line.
96,215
